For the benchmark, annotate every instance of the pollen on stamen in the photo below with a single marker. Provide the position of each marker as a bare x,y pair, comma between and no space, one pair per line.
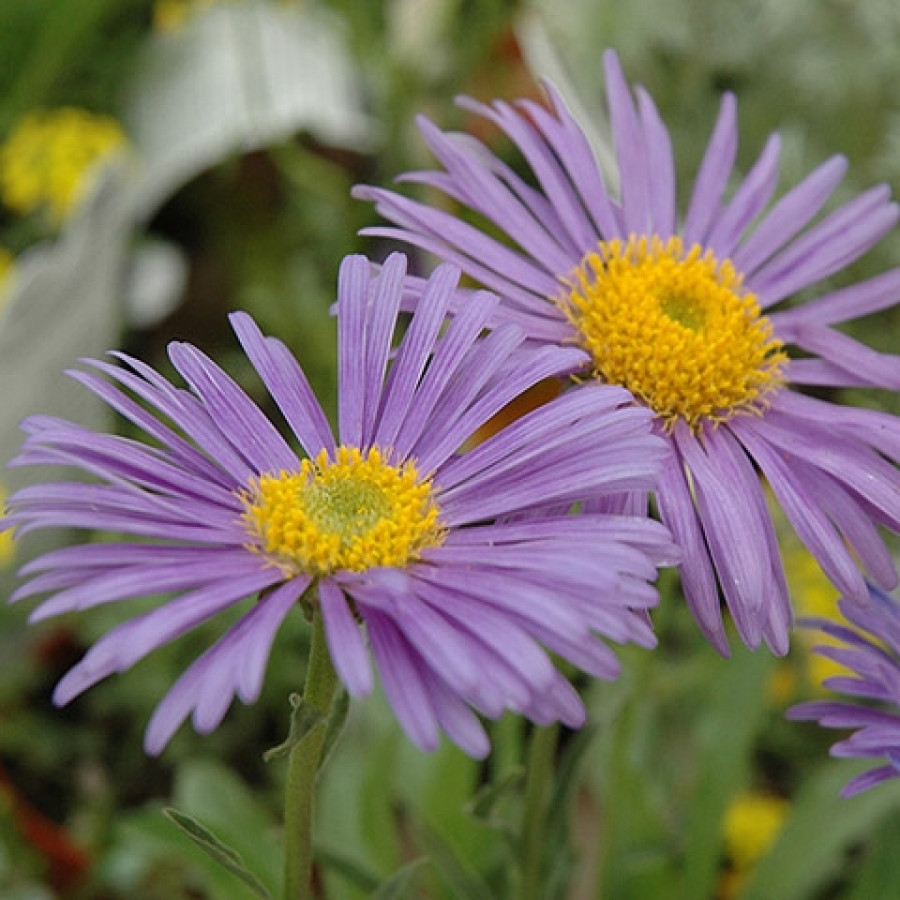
675,328
354,512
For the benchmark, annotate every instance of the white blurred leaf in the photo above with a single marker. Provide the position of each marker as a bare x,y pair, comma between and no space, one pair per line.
157,275
64,303
236,77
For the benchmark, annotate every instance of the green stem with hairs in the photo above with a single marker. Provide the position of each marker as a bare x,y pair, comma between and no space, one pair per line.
303,767
538,783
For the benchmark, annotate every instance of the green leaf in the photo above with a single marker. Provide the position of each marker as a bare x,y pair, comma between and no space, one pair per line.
879,874
304,717
735,709
239,814
462,878
395,887
484,802
224,855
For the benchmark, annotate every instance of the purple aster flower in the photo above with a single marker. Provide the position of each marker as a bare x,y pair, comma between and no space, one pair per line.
683,312
872,654
458,580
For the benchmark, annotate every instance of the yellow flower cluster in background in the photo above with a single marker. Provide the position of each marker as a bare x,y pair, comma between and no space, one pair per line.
7,545
49,157
751,825
814,595
168,15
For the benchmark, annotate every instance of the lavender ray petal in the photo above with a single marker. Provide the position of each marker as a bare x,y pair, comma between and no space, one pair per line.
847,460
715,169
345,643
493,264
793,212
461,335
678,512
487,195
631,150
878,369
544,362
660,167
181,451
381,319
392,594
570,145
414,353
828,247
730,501
145,579
457,720
852,302
121,648
749,200
354,282
240,420
802,508
287,384
233,665
397,667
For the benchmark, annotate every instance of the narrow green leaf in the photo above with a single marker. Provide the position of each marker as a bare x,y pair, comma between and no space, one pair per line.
484,802
304,717
822,829
460,876
395,887
337,718
350,870
224,855
879,874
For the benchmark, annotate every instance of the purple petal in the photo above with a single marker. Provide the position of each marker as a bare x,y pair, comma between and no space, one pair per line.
399,673
235,664
287,384
345,643
240,420
717,165
789,215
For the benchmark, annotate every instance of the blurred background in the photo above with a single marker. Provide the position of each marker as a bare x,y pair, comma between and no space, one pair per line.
163,163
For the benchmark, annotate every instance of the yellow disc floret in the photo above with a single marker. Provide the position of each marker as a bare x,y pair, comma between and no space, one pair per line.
356,511
675,328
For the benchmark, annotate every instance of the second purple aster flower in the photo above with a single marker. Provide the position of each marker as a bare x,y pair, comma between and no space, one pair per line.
444,561
684,313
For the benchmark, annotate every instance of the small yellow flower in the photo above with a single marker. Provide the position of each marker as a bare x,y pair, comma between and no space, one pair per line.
50,156
751,825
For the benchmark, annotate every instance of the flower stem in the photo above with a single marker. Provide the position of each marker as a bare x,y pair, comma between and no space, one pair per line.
303,767
538,781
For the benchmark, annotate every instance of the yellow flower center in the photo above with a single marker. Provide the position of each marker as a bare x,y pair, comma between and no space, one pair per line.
674,328
355,512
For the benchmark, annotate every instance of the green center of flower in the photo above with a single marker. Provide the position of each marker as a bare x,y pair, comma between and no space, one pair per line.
674,328
356,512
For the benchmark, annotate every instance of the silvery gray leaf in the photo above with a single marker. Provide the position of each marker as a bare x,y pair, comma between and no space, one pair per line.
237,77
